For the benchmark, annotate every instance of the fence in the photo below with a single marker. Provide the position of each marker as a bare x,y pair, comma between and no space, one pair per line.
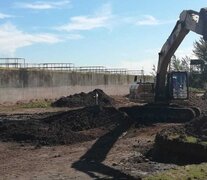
21,63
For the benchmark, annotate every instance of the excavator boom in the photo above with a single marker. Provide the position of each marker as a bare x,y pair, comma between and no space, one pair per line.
172,85
189,21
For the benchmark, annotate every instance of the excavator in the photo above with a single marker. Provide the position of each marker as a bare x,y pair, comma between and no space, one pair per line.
172,86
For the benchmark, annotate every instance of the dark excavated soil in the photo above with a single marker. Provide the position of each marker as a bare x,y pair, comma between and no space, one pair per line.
95,97
65,127
176,145
70,126
61,128
186,143
77,125
183,144
198,128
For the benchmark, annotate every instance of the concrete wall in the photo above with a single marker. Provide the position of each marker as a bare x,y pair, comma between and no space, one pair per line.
23,84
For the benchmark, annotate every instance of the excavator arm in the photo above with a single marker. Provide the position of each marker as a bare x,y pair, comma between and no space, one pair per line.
176,87
189,21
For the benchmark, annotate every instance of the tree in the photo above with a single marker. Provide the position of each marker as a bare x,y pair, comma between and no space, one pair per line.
200,49
178,64
154,71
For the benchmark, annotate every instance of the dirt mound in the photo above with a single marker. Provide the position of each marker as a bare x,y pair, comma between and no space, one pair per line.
61,128
184,144
187,143
82,99
86,118
198,128
175,146
36,132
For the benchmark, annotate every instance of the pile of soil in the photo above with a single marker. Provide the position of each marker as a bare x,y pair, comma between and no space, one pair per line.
197,128
183,144
61,128
87,118
38,133
95,97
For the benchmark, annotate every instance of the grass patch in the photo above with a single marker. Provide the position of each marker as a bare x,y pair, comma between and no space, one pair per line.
190,139
187,139
188,172
36,104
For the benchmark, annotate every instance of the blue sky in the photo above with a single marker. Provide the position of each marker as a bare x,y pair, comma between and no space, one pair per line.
117,33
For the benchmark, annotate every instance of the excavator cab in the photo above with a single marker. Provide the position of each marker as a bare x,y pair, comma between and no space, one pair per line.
178,85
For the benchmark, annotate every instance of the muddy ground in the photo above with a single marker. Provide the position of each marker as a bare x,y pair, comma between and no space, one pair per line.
90,142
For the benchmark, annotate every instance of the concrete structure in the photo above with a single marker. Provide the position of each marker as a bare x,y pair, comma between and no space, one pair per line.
27,84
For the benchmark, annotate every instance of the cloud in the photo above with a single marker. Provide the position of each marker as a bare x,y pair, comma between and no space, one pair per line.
4,16
84,23
100,19
73,36
11,39
41,5
146,20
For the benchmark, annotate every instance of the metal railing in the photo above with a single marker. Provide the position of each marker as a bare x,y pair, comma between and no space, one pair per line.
21,63
50,66
12,62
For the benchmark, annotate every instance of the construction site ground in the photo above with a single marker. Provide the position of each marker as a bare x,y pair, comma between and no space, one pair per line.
110,153
21,161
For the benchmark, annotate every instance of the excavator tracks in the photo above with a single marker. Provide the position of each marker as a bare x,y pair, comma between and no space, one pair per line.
161,113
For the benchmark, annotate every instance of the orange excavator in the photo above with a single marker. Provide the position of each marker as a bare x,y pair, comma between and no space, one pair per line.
173,85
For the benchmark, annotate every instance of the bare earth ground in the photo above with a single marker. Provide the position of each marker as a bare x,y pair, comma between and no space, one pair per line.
28,162
121,157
